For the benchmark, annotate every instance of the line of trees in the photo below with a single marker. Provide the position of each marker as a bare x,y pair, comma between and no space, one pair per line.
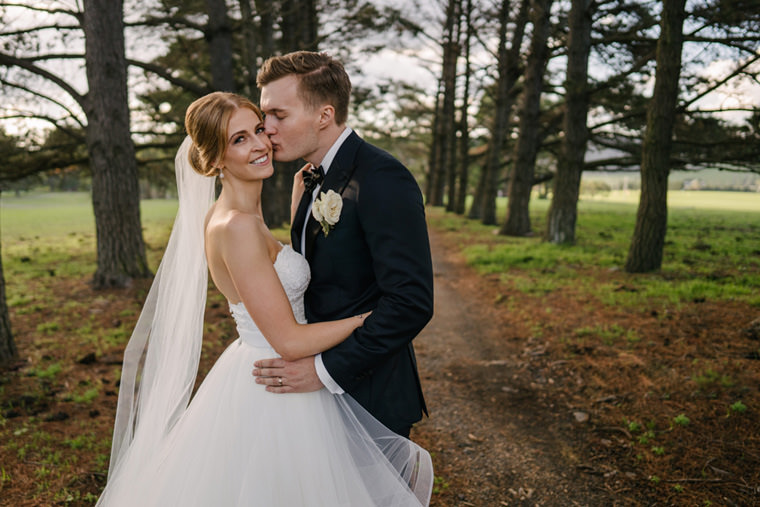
641,105
526,89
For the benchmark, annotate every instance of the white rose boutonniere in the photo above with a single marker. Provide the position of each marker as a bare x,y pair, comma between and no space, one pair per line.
326,210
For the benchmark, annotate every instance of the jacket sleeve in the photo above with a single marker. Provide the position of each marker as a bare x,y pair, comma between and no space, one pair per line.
392,217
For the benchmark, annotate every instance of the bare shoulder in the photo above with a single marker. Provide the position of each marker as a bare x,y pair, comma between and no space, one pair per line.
226,222
232,227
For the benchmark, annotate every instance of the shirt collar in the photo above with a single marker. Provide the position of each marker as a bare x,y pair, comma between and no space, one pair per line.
330,155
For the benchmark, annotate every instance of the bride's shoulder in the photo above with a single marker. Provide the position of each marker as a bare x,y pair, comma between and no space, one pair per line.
231,224
231,220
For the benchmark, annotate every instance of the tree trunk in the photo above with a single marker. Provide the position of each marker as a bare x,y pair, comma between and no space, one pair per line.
451,128
299,25
563,212
452,124
476,208
445,132
464,129
521,180
8,352
250,51
264,9
115,191
430,176
500,123
648,240
509,72
435,161
219,38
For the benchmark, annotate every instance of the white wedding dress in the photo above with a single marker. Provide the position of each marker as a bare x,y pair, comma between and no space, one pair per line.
238,445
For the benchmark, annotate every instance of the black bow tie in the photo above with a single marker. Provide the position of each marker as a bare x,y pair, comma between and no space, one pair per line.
313,178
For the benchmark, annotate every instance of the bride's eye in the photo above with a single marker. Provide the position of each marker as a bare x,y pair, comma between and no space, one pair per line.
260,129
238,139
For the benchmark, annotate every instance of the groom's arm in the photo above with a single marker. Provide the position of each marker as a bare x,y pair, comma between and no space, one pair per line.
392,217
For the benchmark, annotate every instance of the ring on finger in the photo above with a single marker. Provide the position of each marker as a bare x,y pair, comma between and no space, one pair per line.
279,379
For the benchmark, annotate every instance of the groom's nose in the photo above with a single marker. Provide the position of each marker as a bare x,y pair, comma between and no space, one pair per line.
269,128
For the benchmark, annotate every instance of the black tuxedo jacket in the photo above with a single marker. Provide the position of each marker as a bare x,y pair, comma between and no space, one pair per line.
377,257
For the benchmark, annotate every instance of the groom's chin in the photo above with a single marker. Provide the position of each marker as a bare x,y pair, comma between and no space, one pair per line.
282,157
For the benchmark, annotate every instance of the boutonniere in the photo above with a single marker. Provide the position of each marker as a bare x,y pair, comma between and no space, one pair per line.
326,210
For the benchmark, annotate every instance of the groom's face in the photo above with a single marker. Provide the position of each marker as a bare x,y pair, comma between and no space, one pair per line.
290,123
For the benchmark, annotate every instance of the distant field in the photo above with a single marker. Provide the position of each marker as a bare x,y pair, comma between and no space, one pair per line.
710,178
41,214
730,201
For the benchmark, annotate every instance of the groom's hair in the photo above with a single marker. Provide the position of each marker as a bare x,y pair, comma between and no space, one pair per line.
322,79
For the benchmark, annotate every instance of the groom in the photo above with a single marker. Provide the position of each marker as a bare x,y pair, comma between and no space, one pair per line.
375,257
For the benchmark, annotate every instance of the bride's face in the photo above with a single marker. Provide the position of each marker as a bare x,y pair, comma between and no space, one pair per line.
249,151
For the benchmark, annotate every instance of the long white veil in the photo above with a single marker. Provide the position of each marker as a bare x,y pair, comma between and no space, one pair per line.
161,358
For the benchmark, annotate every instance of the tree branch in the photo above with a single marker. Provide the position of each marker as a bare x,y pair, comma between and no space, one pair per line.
53,56
166,74
40,28
77,15
51,120
748,109
719,83
169,20
12,61
45,97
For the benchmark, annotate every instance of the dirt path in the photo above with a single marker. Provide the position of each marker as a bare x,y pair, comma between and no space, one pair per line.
495,441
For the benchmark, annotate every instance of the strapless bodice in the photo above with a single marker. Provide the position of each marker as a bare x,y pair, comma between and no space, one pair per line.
294,274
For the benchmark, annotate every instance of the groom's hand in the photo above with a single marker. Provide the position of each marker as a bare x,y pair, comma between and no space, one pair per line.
282,376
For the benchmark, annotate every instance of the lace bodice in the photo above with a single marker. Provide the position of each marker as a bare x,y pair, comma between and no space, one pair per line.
294,274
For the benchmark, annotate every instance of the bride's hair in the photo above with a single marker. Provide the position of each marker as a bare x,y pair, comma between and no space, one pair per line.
206,123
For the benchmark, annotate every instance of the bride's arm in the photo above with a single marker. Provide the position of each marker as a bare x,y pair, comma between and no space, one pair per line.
246,257
298,190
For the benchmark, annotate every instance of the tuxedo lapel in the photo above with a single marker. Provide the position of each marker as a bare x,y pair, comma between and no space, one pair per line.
298,220
336,179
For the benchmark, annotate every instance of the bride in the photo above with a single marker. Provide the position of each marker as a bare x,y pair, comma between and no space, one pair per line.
236,444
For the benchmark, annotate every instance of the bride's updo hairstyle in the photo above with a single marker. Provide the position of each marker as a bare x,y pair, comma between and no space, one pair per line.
206,123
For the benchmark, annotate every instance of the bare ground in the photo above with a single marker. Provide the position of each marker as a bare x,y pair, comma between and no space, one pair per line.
493,441
526,416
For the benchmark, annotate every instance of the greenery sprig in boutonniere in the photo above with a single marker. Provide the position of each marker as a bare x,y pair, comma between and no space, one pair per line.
326,210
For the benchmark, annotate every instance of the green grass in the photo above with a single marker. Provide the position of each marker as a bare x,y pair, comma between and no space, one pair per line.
712,249
47,233
54,229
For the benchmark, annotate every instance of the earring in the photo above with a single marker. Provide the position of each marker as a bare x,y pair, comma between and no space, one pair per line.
220,174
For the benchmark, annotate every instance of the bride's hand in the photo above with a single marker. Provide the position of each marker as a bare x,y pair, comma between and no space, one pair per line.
363,316
298,184
298,189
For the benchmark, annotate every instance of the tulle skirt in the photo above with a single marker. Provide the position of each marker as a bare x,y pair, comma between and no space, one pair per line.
238,445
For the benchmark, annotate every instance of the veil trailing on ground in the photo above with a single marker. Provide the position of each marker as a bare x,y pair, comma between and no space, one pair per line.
162,356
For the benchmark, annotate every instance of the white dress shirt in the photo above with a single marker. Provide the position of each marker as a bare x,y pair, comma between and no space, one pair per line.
322,373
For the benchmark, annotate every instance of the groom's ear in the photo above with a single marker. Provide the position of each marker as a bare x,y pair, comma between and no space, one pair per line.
326,116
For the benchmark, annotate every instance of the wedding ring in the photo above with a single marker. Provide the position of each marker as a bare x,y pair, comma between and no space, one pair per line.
279,379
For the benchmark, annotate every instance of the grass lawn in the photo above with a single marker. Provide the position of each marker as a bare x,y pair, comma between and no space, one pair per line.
712,248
